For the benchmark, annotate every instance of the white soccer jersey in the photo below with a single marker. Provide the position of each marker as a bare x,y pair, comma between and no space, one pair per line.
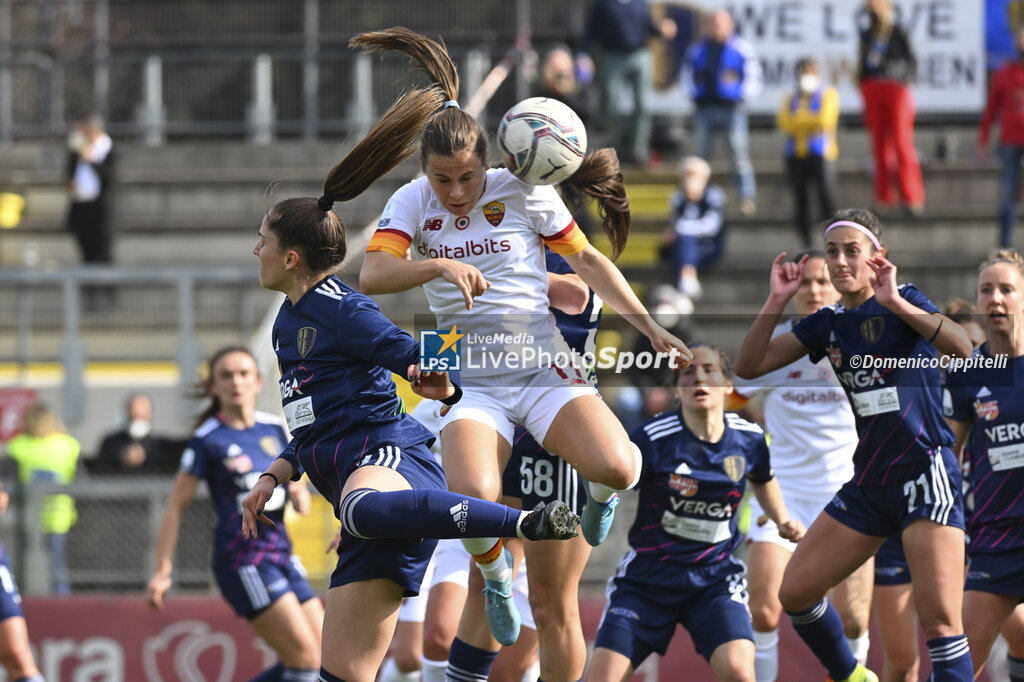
810,422
504,237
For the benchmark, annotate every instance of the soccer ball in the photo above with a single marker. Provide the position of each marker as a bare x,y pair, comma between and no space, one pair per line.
542,141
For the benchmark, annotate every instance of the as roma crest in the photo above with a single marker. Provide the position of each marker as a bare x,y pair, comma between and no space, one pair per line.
735,467
494,212
871,329
305,340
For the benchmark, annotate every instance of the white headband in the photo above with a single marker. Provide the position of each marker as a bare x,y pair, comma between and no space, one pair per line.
859,228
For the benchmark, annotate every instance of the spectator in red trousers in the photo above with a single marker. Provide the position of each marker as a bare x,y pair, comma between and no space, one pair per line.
886,67
1006,103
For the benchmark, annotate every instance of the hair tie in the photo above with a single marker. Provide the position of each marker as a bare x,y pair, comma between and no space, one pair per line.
451,103
324,203
857,226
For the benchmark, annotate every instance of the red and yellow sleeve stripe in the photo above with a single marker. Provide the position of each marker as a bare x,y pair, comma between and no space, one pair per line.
567,242
394,242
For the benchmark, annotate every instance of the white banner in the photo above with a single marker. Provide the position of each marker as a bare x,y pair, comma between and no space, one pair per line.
947,36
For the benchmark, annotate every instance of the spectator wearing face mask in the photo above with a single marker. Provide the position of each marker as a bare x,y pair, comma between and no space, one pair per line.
695,238
808,118
134,448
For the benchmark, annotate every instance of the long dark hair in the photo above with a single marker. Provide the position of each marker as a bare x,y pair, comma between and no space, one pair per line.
201,389
309,225
450,130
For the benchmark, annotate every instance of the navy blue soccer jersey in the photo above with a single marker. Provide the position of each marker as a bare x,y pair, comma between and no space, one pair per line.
230,460
336,352
990,398
690,489
579,331
897,410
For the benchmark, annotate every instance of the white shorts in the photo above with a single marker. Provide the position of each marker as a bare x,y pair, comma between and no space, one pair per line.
450,564
532,400
803,510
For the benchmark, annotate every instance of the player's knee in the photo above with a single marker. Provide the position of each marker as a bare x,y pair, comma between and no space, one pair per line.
765,613
940,623
903,664
406,660
617,469
794,597
485,485
436,643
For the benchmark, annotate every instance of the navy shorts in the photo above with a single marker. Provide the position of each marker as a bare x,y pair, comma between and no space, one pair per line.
252,589
641,615
891,566
997,573
931,491
402,561
10,600
536,476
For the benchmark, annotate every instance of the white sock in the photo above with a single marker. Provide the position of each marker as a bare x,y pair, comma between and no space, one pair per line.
766,656
859,647
389,672
434,671
495,570
602,493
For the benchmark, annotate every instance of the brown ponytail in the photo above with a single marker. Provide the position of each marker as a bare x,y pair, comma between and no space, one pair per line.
600,177
451,129
308,225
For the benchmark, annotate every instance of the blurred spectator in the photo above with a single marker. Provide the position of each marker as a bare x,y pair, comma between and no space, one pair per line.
722,74
134,448
46,454
696,237
558,81
808,118
885,70
90,178
1006,103
967,316
620,28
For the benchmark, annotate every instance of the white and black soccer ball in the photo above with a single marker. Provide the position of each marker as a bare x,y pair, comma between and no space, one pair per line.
542,141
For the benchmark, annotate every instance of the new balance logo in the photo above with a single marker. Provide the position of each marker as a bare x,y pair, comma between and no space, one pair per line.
460,512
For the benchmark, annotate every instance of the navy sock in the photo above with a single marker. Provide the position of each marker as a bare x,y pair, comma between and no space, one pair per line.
271,674
299,675
466,663
403,514
38,677
327,677
951,659
822,630
1016,668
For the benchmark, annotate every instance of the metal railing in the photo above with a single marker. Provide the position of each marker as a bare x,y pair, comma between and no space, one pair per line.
72,314
278,68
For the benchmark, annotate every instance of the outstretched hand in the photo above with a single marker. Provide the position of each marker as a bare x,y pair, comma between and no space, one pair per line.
432,385
786,276
664,341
